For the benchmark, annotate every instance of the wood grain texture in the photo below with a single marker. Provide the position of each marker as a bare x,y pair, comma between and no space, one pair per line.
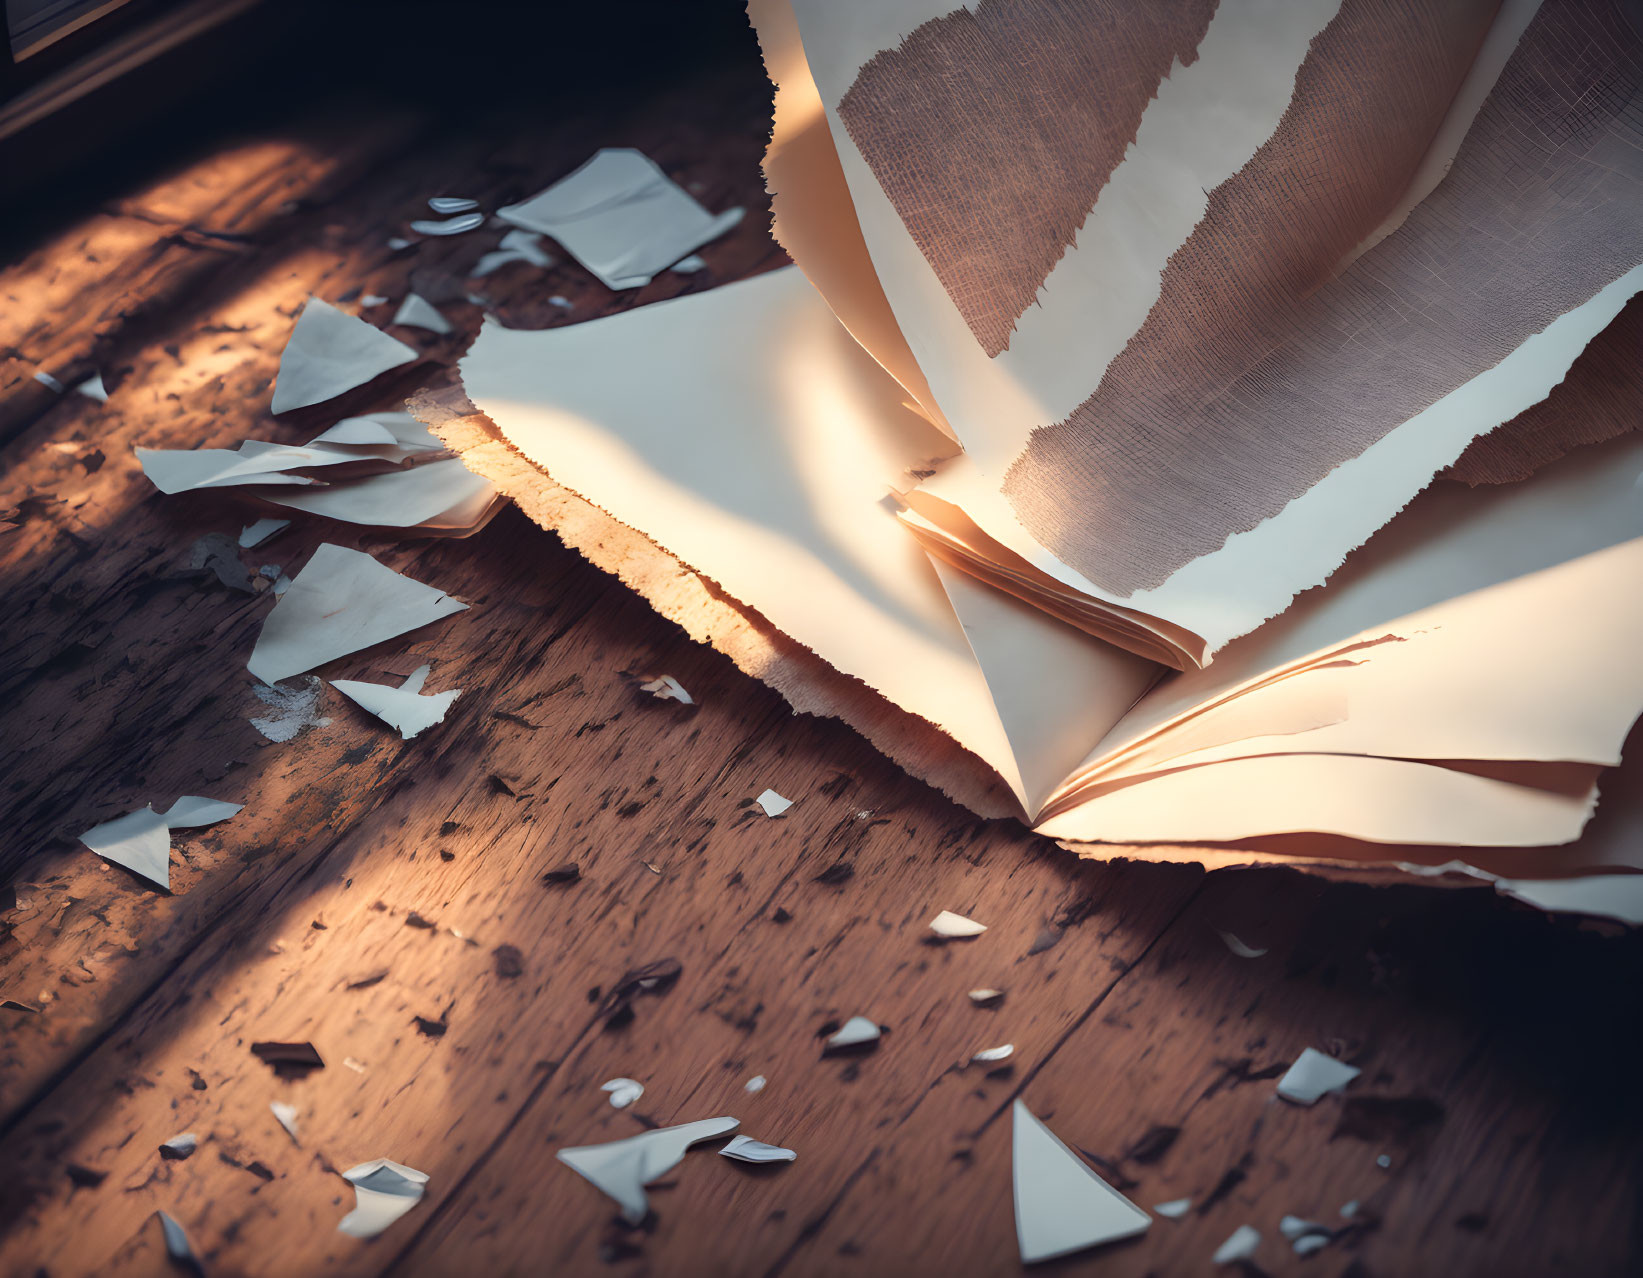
473,1047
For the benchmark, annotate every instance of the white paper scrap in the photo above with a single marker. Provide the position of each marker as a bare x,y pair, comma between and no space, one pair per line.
287,1114
1240,948
374,299
689,265
1061,1206
985,996
1240,1246
854,1032
1174,1209
528,245
140,841
49,382
754,1084
1312,1075
93,388
191,811
621,217
330,352
417,312
292,710
181,1145
1609,896
992,1054
458,225
623,1091
440,494
403,708
664,687
398,243
176,1242
383,1192
622,1168
452,204
952,927
343,600
773,804
746,1149
255,534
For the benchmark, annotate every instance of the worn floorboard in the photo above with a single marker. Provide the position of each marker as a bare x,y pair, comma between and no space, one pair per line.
385,900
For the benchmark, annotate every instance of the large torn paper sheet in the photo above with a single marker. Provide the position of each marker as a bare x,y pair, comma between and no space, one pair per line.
1202,431
759,447
342,600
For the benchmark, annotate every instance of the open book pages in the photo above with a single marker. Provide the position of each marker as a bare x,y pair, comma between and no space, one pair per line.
1121,456
1461,682
1209,291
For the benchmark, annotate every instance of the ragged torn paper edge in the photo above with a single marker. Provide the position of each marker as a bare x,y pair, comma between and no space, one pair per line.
803,679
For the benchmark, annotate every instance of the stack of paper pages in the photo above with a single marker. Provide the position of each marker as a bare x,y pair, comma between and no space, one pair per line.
1206,428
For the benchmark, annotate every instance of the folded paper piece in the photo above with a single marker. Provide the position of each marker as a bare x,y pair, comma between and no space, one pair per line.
747,1150
950,926
405,707
331,352
622,1168
342,600
383,1192
141,840
1061,1206
621,217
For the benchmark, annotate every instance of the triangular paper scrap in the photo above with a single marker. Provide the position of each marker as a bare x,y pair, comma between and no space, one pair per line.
342,601
383,1192
331,352
622,1168
1061,1206
140,841
417,311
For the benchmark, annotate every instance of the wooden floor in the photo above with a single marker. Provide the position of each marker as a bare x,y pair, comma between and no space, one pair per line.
386,900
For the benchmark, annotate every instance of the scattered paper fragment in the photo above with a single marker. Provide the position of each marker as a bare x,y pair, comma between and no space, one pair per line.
622,1168
294,710
447,204
982,998
746,1149
350,1063
176,1244
951,927
287,1115
1383,1161
689,265
1349,1209
772,803
1174,1209
623,1091
855,1032
330,352
140,841
191,811
1609,896
288,1060
1312,1075
255,534
992,1054
343,600
49,382
1293,1227
754,1084
403,708
374,299
1240,1246
528,245
1061,1206
664,687
417,312
93,388
383,1192
563,303
179,1147
459,225
398,243
621,217
1311,1243
1239,948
